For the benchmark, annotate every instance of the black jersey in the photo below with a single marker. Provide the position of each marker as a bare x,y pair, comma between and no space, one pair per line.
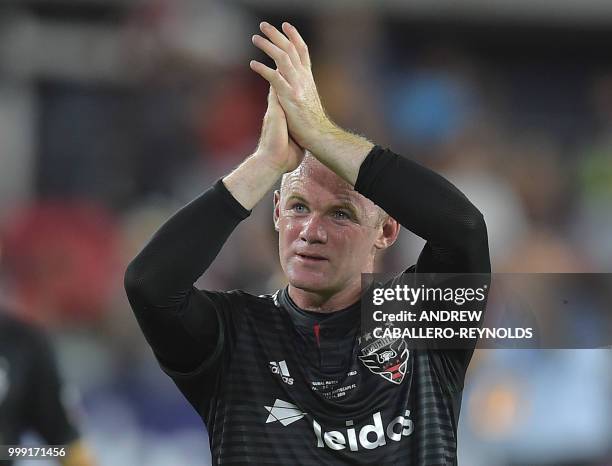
30,387
278,385
298,390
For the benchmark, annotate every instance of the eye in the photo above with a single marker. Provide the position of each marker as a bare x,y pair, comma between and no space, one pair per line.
299,208
342,215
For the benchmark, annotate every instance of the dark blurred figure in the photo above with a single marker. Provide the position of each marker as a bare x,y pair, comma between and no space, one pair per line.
32,396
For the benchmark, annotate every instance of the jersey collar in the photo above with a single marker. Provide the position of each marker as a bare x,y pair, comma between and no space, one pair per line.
340,321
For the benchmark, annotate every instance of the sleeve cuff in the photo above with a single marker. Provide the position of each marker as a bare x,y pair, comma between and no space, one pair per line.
371,167
235,206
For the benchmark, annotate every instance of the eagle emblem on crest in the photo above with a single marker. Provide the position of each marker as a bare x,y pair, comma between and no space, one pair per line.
387,357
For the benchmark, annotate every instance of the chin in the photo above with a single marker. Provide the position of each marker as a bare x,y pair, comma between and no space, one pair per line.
308,281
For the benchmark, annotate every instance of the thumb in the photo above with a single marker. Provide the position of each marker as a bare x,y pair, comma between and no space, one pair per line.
274,106
272,95
273,98
272,109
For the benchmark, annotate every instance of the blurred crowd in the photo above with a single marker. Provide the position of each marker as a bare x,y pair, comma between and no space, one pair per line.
113,118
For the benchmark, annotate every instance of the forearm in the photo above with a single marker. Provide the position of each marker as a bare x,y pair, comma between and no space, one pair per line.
430,206
180,322
420,199
185,246
253,178
340,150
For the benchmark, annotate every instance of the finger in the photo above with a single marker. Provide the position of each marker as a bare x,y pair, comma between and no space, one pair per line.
274,77
272,111
296,39
280,57
281,41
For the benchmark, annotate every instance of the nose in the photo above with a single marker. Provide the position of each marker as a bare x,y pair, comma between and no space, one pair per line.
313,231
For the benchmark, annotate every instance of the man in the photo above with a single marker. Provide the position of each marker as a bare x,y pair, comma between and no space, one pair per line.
32,396
31,393
282,378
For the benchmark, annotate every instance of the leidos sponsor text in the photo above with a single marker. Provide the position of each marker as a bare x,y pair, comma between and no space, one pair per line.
370,436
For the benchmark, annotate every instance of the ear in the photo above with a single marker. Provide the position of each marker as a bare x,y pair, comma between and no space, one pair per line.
276,211
387,233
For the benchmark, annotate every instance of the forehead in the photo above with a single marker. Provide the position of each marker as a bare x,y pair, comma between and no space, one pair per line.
316,183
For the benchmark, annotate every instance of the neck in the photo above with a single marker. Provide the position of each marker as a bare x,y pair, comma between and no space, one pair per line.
326,301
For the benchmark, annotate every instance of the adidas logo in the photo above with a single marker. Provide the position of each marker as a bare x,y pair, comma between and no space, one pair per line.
281,369
283,412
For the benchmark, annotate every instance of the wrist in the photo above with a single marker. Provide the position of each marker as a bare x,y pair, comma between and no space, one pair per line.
252,179
320,134
340,150
268,162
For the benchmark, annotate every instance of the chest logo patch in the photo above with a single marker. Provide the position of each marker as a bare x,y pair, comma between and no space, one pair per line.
284,412
386,357
280,368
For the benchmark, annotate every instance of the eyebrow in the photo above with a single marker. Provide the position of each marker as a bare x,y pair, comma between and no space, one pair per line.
296,197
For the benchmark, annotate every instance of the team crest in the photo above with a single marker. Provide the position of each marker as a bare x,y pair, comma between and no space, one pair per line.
386,357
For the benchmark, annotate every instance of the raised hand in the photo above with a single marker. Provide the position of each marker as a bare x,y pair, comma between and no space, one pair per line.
275,144
276,154
293,81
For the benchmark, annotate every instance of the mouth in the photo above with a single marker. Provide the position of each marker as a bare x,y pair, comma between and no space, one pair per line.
312,258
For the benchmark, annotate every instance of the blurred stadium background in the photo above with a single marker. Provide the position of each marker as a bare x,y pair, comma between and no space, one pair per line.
114,113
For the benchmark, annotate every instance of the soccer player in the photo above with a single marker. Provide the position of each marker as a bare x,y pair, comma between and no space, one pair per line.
282,378
31,398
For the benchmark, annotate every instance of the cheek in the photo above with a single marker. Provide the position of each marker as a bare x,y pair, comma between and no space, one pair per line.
352,245
288,232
